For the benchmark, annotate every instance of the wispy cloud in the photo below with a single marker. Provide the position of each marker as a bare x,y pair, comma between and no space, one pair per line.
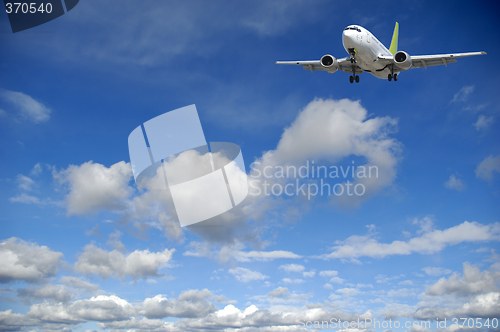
488,167
454,183
430,241
484,122
463,94
26,107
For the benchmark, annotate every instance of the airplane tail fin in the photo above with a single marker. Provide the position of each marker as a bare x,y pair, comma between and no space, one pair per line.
394,42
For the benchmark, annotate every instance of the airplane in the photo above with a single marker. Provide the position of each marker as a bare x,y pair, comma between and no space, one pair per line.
368,54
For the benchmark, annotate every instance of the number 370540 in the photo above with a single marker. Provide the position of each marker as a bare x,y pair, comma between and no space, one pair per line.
25,8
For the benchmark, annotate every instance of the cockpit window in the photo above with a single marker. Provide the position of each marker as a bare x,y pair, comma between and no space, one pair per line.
353,28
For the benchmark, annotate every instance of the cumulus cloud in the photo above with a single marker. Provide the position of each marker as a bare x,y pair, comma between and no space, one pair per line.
329,273
430,241
481,306
140,324
463,94
57,293
292,267
435,271
293,281
454,183
473,281
348,291
137,264
21,260
246,275
27,107
254,319
76,282
484,122
486,169
337,280
191,304
94,186
331,130
99,308
192,307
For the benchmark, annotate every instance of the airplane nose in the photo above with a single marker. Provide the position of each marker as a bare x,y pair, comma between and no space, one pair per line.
347,37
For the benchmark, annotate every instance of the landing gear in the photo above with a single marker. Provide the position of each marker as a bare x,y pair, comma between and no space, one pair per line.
390,77
357,79
351,79
354,78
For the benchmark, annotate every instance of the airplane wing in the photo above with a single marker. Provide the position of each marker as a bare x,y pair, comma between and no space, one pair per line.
419,61
344,65
425,61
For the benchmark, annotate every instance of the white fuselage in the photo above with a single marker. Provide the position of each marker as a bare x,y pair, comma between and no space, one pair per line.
367,50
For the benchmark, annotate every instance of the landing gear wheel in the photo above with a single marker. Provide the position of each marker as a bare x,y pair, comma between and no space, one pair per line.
351,79
357,79
395,77
389,77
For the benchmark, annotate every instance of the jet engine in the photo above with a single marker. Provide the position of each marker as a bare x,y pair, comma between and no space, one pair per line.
330,63
402,60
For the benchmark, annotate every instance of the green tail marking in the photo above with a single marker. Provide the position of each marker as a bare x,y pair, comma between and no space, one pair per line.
394,42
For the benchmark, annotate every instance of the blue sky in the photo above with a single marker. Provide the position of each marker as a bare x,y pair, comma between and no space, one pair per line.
83,249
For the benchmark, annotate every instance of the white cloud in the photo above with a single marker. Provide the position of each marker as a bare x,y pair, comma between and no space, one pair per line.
337,280
57,293
26,199
279,292
138,264
139,324
430,241
405,283
473,281
14,322
245,275
27,107
99,308
282,295
348,291
328,273
454,183
243,256
20,260
37,169
293,281
463,94
94,186
76,282
484,122
435,271
486,169
482,306
309,274
192,303
331,130
24,182
292,267
234,251
253,319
